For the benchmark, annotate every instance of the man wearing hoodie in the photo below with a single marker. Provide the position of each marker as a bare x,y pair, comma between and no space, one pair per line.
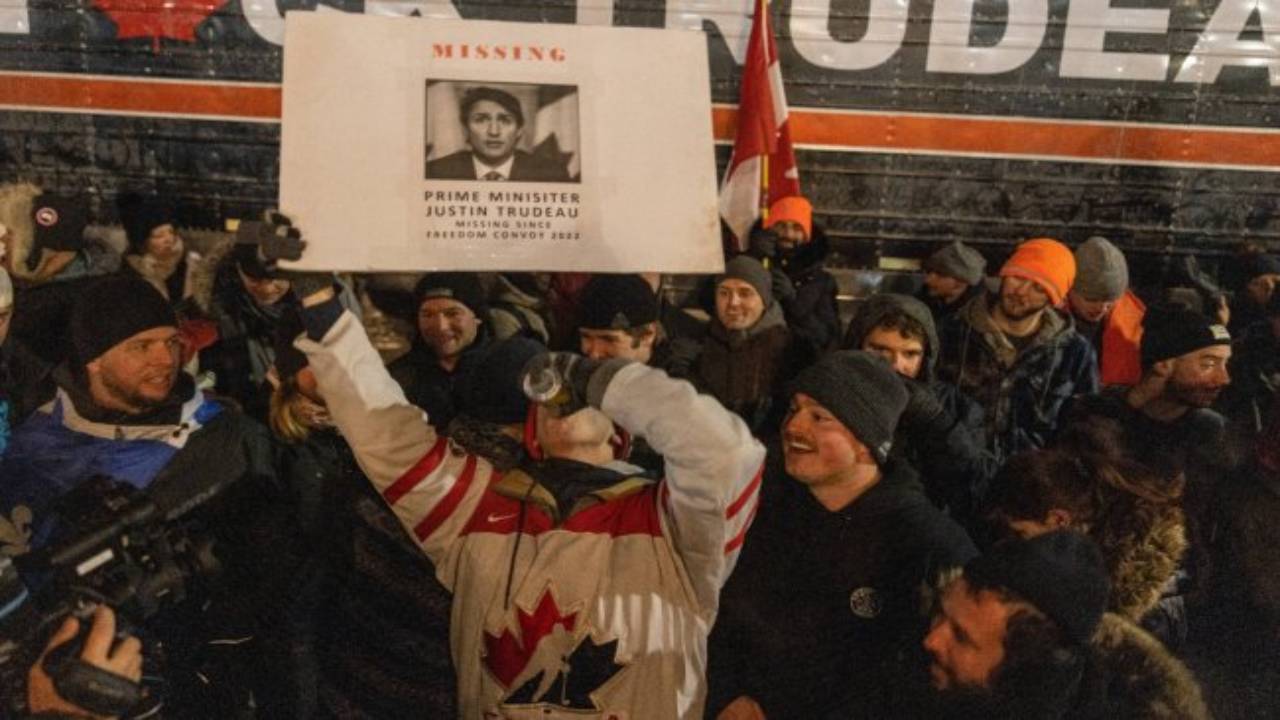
941,432
1015,354
747,351
829,583
1106,311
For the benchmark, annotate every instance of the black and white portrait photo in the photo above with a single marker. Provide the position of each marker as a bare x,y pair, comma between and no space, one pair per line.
496,132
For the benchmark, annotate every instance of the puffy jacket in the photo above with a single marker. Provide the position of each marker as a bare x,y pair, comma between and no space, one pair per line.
215,660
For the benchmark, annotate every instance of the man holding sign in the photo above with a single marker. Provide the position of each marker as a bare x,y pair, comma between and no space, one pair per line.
581,589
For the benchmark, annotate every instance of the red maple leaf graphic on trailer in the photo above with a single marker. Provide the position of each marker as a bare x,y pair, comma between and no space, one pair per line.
174,19
508,655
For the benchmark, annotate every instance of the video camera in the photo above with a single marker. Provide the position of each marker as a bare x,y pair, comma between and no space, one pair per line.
123,548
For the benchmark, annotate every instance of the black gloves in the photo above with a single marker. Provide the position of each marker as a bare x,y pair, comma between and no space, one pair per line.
924,413
762,243
277,239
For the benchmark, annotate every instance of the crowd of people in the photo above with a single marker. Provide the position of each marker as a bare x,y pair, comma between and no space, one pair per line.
1038,494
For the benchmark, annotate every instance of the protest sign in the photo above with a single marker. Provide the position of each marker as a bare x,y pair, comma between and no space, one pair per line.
469,145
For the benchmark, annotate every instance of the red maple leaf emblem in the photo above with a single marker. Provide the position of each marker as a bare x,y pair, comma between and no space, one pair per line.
174,19
508,655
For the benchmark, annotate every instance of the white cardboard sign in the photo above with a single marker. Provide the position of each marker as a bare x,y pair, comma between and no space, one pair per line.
413,144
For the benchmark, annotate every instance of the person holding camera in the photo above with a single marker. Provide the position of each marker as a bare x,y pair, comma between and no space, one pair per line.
126,411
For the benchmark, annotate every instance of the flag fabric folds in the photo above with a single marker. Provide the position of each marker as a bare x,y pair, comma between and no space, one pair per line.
762,133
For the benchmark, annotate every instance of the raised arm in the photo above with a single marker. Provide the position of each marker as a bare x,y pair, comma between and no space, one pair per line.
431,490
713,468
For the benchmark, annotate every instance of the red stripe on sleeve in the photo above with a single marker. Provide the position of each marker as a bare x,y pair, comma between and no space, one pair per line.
415,474
746,495
741,537
446,506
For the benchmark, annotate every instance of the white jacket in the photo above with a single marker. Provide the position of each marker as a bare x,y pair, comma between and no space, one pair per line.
609,608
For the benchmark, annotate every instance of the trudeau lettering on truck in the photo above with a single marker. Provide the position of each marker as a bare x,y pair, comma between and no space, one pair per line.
1239,33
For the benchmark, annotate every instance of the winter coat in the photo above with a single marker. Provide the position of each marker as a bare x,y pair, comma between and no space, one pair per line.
1255,379
1194,448
1133,676
189,444
1141,565
430,386
29,264
26,382
948,450
246,331
1128,675
745,369
1248,514
580,592
820,597
1022,393
812,313
371,622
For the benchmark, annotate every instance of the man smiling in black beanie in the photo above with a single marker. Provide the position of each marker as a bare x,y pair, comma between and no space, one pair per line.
845,537
126,411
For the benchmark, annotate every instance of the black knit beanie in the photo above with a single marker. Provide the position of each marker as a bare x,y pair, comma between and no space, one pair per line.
617,302
1061,573
491,391
460,286
862,391
59,222
112,310
1170,332
750,271
140,216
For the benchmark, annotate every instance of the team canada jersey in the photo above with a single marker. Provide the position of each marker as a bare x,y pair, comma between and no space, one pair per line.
599,611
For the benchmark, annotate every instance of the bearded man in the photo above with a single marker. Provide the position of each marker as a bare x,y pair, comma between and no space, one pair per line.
1015,354
1165,421
124,410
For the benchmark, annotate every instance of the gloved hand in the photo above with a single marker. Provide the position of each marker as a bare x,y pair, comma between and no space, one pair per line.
784,291
277,239
558,380
923,413
762,244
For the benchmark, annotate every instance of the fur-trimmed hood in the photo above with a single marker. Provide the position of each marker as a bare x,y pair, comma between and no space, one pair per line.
16,201
1133,676
204,275
1141,566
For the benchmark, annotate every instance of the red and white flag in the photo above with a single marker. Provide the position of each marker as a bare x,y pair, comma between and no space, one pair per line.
762,133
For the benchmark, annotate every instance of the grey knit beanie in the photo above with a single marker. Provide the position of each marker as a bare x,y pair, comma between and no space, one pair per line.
959,261
862,391
750,271
1101,271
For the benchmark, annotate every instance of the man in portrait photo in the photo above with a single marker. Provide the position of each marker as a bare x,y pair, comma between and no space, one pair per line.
494,124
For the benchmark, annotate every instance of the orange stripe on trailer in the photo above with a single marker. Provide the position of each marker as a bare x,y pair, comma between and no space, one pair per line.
1032,138
97,94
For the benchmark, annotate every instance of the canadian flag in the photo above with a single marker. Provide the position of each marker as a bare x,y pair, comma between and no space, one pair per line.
762,133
